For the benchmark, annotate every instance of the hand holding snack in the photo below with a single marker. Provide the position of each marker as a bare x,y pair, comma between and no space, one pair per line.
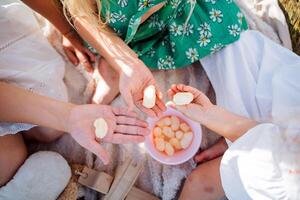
91,124
216,118
137,82
198,107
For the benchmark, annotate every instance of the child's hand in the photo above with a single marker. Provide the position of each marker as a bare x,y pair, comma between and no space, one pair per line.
217,119
123,127
198,108
132,85
76,52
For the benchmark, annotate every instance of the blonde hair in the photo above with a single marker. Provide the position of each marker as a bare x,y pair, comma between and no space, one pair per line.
84,9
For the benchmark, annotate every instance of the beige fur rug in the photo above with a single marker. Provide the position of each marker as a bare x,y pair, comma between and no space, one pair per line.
162,180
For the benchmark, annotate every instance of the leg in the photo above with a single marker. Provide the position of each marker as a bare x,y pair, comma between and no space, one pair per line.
107,84
13,153
204,182
212,152
41,134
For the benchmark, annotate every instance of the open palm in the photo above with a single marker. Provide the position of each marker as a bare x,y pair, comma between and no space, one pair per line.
132,89
123,127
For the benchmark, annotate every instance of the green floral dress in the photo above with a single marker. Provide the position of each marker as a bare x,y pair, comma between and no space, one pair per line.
171,38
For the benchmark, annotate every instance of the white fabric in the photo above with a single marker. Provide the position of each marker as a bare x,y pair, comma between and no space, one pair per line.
267,17
44,175
26,57
263,164
257,78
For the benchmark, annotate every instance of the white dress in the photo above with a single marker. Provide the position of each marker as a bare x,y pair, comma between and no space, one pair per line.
259,79
27,59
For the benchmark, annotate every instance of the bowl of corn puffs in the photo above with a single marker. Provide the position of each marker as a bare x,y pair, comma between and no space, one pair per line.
174,138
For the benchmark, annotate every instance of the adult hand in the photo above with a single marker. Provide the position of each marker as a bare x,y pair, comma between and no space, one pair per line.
76,52
200,107
132,85
123,127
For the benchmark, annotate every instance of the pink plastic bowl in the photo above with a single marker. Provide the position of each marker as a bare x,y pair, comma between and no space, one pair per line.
182,155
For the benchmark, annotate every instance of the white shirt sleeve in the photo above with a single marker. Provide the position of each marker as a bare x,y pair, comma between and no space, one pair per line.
262,164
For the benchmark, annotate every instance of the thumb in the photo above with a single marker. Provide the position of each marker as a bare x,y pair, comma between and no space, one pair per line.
100,152
127,96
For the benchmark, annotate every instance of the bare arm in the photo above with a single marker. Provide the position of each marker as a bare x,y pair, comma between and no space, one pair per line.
19,105
227,124
50,9
134,74
71,42
217,119
115,51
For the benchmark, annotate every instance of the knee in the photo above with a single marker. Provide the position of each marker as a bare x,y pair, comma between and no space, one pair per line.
200,179
11,159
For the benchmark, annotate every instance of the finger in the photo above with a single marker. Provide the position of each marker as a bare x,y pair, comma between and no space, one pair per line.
90,54
199,97
159,94
84,61
172,91
71,56
161,105
157,110
147,111
132,130
122,120
124,112
186,88
119,138
99,151
127,96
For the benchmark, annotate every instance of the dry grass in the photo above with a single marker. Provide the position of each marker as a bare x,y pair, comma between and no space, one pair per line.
291,9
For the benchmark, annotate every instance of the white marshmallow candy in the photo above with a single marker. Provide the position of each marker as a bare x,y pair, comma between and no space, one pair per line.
167,121
169,150
159,144
186,140
101,128
157,131
167,131
179,135
183,98
175,123
149,97
160,123
175,143
184,127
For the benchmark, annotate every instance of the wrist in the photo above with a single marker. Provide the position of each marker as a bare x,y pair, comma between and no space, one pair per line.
227,124
211,115
60,112
127,65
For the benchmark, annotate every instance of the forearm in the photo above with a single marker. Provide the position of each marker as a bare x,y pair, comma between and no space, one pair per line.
51,10
19,105
115,51
227,124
